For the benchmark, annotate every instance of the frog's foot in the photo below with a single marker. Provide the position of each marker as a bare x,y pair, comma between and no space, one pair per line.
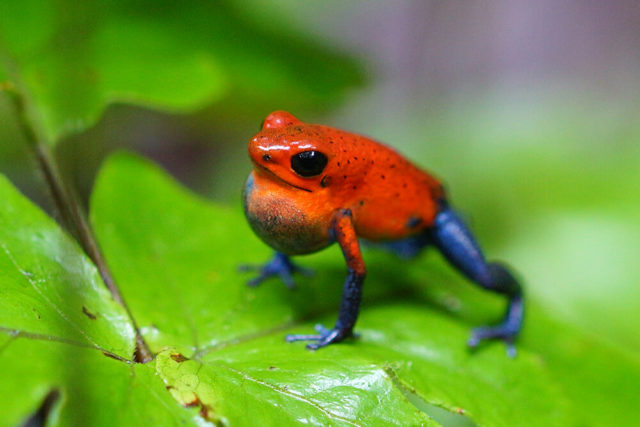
323,338
280,265
506,332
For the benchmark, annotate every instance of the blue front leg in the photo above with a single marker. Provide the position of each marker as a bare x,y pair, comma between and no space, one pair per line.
280,265
345,234
454,240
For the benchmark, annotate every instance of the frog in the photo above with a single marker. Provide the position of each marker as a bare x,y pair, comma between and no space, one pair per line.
313,185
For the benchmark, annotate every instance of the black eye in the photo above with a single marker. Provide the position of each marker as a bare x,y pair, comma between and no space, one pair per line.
309,163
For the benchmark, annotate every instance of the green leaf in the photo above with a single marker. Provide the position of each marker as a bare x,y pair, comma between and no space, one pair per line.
50,289
93,389
62,335
70,60
176,257
268,390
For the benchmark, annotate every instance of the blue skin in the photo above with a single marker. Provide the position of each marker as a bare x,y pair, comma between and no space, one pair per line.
456,243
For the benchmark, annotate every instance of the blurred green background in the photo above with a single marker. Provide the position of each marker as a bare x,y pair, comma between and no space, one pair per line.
527,111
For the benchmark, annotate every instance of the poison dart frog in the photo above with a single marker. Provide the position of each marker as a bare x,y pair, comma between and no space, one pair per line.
313,185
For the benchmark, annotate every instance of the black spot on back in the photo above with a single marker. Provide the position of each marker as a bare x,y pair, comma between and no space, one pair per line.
414,221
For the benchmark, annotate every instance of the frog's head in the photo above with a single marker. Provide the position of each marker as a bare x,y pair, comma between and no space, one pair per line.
293,152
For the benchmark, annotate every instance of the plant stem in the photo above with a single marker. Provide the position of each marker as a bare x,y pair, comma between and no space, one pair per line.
73,216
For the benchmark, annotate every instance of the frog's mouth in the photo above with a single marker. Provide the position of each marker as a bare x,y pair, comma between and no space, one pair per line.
272,174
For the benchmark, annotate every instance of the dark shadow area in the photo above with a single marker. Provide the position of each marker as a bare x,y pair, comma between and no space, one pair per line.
40,417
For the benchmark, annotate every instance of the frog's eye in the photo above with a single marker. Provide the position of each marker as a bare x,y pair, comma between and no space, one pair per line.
309,163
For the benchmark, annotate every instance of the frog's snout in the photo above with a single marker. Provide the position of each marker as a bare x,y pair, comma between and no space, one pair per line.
265,154
258,153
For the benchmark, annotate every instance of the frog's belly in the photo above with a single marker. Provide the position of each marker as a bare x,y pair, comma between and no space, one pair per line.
283,224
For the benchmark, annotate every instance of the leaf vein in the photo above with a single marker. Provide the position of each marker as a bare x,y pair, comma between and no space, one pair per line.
292,395
27,275
17,333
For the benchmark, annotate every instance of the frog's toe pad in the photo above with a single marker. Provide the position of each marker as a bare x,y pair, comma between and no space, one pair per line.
279,266
503,332
323,338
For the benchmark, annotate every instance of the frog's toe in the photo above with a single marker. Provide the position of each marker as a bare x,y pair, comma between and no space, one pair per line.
287,279
504,332
256,281
323,338
246,268
281,266
261,277
305,271
265,274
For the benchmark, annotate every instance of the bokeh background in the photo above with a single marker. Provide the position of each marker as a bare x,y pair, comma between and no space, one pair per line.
529,111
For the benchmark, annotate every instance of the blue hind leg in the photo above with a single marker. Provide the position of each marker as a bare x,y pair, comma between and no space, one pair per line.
454,240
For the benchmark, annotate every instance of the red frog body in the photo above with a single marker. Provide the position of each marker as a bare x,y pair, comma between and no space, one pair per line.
313,185
389,198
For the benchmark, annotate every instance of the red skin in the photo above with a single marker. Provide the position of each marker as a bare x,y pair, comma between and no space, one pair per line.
389,197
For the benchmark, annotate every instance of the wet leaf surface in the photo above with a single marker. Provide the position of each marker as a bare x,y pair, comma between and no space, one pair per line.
221,355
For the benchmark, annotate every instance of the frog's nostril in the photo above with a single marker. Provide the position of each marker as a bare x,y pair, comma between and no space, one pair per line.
266,157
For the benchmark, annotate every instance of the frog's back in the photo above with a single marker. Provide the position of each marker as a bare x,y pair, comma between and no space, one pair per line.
389,196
